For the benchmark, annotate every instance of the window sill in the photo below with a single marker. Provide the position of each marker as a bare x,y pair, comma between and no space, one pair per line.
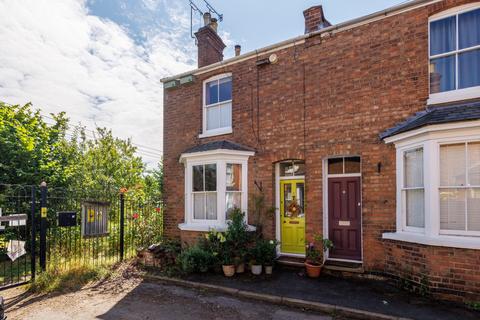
441,240
454,95
213,133
207,228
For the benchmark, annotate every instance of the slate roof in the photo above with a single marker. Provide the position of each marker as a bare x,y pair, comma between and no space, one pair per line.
436,115
217,145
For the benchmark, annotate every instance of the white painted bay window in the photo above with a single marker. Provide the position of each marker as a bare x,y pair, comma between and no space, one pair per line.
215,184
438,186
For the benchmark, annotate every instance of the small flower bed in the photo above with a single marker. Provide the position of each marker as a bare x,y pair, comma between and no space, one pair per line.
229,251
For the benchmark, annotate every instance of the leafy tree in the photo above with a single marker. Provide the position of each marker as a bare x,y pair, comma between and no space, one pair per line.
32,151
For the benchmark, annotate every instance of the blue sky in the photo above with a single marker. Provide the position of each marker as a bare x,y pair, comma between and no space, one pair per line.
101,60
251,23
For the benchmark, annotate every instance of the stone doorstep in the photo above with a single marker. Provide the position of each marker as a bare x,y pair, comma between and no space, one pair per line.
286,301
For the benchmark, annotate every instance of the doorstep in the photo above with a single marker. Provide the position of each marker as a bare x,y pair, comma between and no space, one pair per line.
344,266
291,261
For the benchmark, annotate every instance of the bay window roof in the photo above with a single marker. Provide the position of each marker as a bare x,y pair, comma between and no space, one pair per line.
436,115
218,145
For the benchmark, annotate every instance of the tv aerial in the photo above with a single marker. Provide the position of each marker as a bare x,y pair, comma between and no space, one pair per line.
195,9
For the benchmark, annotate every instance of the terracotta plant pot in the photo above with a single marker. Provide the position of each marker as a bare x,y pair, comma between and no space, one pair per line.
313,270
268,270
229,271
257,269
240,268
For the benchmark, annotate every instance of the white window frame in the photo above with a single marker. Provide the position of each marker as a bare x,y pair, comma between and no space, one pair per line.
220,158
431,138
456,94
467,186
402,189
219,131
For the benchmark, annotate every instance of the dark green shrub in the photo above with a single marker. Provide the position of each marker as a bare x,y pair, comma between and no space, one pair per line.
196,259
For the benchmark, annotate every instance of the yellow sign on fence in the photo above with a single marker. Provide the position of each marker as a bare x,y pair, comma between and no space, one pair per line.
43,212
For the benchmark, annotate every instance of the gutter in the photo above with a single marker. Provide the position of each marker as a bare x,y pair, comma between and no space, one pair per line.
300,39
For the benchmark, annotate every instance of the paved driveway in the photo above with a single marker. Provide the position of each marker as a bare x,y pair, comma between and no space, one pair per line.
134,299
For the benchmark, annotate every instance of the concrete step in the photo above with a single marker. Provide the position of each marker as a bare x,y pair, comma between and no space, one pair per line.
291,261
344,266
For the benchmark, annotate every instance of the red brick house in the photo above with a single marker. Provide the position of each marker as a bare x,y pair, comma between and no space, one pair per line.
367,132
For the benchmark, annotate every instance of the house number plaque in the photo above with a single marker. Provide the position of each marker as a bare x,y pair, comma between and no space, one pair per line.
344,223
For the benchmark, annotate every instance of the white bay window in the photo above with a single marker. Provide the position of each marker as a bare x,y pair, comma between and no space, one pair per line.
215,184
438,185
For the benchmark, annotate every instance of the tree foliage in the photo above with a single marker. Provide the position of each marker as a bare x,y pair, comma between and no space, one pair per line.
32,151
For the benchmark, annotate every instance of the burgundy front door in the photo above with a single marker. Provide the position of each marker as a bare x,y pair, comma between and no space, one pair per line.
344,218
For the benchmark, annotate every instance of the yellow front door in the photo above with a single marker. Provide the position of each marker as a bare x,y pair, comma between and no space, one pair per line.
292,216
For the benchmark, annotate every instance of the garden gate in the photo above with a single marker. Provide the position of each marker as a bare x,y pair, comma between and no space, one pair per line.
44,229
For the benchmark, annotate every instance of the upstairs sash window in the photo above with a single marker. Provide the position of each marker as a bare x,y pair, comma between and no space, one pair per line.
218,105
455,52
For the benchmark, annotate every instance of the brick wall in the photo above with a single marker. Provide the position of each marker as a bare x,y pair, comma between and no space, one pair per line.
330,96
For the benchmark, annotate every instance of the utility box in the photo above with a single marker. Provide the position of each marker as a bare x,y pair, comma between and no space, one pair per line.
95,218
67,218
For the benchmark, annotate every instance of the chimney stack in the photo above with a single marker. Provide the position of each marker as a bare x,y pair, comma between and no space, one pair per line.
210,45
315,19
238,50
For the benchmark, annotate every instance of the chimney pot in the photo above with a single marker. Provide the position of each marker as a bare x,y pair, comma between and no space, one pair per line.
214,24
315,19
238,50
207,17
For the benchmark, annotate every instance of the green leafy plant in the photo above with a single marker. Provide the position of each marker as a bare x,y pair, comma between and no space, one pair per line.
316,249
195,259
261,211
268,251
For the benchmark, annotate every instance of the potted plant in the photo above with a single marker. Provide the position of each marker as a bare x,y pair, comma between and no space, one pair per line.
314,255
256,262
269,255
228,266
240,262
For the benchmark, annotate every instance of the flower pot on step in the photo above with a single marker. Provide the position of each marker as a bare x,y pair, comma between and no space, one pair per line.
268,270
257,269
229,270
313,270
240,268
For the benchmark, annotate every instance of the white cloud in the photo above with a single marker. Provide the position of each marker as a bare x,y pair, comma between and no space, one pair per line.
58,56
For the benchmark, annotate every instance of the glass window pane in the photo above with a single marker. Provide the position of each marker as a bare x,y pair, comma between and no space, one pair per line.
469,69
473,204
335,166
211,213
469,29
299,168
213,118
197,178
199,205
301,198
442,74
226,115
233,200
352,165
413,162
234,177
452,165
287,199
415,208
452,209
474,163
443,35
210,177
212,92
225,89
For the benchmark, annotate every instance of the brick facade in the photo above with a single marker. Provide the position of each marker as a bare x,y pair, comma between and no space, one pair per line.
329,96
